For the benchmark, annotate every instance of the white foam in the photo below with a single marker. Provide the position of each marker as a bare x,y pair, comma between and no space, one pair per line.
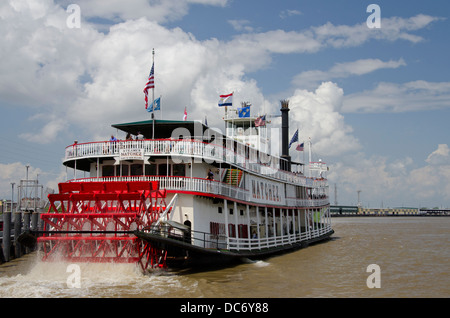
51,279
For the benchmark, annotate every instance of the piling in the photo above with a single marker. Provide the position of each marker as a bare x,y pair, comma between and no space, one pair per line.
17,232
7,236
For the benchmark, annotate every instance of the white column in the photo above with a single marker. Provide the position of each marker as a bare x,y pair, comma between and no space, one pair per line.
225,208
274,223
281,222
266,225
236,230
257,227
294,226
307,223
313,221
248,225
289,226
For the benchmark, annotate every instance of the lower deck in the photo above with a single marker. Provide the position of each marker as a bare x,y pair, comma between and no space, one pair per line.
220,223
182,252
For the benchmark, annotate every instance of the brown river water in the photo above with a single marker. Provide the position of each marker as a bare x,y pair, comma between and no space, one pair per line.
412,254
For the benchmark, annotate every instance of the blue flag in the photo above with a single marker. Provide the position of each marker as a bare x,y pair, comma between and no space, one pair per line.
155,106
294,138
244,112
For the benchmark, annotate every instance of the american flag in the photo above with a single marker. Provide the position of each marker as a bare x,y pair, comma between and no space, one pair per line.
300,147
260,121
150,84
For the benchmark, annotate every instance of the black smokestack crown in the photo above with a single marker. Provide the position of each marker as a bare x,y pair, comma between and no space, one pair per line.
286,162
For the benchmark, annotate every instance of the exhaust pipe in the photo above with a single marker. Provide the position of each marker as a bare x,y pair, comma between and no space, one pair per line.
286,159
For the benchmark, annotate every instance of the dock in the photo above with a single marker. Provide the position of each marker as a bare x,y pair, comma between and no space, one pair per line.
348,211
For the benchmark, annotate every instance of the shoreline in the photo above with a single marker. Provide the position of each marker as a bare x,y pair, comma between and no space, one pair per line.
387,215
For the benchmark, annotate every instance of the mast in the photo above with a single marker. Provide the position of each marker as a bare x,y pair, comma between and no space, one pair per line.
309,162
153,95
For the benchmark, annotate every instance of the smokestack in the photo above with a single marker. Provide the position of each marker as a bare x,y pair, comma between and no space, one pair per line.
286,163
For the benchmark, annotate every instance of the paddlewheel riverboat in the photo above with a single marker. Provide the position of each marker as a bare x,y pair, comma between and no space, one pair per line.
183,194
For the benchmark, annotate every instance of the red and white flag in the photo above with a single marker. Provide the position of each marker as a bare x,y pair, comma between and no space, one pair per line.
185,114
226,100
150,84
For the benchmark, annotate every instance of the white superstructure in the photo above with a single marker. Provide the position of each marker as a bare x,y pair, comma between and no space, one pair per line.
252,203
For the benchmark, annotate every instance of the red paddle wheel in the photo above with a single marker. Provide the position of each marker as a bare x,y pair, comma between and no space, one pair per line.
94,222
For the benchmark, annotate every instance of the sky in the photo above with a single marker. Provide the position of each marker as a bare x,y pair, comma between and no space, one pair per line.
369,86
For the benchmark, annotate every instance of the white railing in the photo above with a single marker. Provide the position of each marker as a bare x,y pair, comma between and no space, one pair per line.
276,241
201,185
179,149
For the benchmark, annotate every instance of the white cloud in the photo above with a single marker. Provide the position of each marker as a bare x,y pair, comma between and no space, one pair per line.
14,172
440,156
241,25
392,29
316,114
393,97
393,183
289,13
309,79
119,11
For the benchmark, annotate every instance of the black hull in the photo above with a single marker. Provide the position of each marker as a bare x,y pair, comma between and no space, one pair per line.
184,255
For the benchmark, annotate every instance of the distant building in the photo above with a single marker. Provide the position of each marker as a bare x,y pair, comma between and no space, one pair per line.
393,211
340,210
345,210
435,211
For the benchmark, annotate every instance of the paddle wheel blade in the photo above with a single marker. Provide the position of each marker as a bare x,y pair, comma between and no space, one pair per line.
95,221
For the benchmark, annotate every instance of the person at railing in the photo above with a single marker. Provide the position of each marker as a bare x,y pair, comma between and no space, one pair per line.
74,148
113,141
139,136
209,177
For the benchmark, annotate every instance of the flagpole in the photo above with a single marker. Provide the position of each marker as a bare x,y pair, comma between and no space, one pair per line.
153,95
298,152
309,157
160,109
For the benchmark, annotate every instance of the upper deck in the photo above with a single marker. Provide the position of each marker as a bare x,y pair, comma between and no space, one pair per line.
186,151
193,148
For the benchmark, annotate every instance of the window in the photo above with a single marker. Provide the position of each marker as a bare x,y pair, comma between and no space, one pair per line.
124,170
220,210
163,170
136,170
108,171
179,170
150,170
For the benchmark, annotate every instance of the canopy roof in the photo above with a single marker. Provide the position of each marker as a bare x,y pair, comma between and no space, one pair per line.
163,128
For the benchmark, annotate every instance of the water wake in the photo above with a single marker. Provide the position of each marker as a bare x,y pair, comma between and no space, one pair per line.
81,280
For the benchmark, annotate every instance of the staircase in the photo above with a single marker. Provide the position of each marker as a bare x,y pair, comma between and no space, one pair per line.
233,177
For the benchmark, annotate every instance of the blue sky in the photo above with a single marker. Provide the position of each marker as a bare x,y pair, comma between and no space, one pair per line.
376,102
